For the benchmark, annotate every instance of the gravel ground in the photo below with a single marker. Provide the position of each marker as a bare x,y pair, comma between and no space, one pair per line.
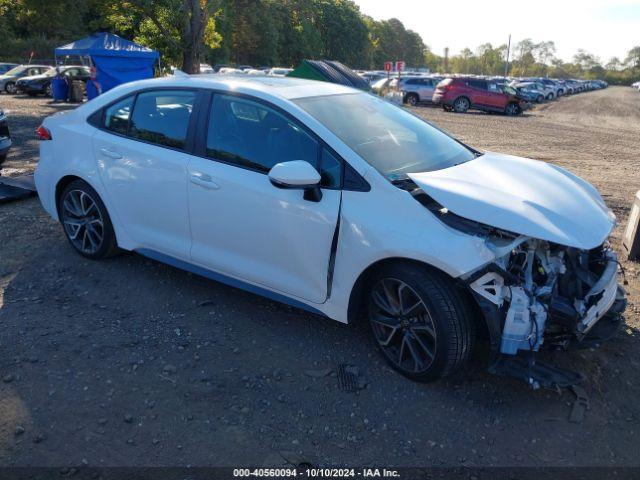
130,362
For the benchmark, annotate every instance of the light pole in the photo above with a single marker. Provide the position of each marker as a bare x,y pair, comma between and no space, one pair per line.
506,65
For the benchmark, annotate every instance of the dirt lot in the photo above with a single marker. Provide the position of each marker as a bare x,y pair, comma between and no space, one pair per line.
130,362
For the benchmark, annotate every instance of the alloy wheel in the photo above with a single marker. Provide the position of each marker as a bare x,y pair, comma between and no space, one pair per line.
49,91
11,88
402,325
461,105
82,221
512,109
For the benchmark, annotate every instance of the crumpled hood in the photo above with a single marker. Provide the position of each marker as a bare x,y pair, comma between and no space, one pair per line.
523,196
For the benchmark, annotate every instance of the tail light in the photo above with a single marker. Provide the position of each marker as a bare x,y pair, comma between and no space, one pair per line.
43,133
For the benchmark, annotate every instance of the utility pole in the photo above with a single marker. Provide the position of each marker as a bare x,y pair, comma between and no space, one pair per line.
446,60
506,65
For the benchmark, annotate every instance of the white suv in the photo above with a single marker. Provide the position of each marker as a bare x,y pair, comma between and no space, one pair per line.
337,202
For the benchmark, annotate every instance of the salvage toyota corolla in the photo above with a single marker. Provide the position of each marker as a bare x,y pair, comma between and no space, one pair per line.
335,201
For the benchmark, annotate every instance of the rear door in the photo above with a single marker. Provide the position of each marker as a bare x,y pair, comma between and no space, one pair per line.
242,225
142,155
479,93
426,89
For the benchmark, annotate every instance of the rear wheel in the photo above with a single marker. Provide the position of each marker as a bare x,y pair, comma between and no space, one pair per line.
550,96
412,99
86,221
540,99
420,321
461,105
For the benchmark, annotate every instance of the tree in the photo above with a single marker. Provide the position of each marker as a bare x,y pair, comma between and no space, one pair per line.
180,28
633,58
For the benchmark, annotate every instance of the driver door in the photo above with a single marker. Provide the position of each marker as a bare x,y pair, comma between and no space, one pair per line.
243,226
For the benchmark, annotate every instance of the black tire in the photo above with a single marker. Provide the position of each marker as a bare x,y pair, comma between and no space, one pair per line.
412,99
540,99
10,88
443,323
92,223
48,90
512,109
461,105
550,97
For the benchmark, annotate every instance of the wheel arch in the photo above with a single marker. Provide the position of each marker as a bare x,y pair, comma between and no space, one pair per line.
357,296
62,184
122,239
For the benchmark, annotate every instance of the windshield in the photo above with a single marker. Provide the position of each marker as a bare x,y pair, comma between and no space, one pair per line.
16,70
389,138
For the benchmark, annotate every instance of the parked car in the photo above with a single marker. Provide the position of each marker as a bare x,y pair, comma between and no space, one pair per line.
41,84
336,201
279,72
9,79
5,67
417,89
5,137
533,90
464,93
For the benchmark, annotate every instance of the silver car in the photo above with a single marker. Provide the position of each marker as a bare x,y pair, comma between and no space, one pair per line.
417,89
9,79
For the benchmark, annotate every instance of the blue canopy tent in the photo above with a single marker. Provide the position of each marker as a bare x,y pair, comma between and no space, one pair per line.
115,59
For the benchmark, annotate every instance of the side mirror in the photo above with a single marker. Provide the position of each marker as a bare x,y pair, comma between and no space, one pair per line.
297,175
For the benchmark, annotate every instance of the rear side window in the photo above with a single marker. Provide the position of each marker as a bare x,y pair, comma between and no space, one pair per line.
162,117
251,135
116,117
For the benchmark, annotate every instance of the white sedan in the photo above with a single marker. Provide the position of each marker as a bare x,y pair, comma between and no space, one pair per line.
337,202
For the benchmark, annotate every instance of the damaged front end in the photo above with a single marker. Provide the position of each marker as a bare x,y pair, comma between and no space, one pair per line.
538,294
551,296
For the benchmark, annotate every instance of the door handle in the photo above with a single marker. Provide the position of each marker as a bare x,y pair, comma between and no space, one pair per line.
204,180
110,153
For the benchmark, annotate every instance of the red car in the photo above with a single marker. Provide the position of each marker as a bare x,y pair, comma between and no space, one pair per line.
462,94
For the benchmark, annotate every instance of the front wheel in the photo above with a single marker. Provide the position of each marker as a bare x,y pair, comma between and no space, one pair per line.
513,109
540,99
86,221
10,88
48,91
420,321
550,96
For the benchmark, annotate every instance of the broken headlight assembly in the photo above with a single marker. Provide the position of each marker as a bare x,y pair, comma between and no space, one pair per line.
539,295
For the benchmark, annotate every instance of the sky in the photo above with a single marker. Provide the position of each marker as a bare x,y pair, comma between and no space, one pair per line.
604,28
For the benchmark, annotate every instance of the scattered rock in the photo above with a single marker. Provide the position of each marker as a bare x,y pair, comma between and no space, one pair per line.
318,373
19,430
128,418
8,378
169,369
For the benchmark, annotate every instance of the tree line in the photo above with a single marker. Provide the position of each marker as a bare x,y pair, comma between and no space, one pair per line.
276,33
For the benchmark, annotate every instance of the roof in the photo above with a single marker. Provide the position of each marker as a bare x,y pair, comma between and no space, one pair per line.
106,44
284,87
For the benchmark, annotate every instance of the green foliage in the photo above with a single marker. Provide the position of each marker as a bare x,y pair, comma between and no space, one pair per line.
275,32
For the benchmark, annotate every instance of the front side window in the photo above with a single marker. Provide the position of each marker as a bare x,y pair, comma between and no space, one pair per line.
389,138
116,117
162,117
252,135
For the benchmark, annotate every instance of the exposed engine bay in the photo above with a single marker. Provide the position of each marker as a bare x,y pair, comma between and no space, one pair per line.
539,294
